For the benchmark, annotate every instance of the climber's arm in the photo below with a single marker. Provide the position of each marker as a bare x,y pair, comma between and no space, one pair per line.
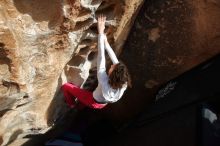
101,53
101,69
110,51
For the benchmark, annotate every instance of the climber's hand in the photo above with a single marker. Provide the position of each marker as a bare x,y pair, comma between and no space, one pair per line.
101,24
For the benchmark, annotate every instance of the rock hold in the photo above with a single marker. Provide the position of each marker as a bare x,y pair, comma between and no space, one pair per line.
44,44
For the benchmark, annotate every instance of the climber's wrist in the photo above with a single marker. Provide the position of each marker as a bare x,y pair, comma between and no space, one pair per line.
101,32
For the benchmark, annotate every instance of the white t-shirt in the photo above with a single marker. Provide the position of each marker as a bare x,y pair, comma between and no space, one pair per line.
104,93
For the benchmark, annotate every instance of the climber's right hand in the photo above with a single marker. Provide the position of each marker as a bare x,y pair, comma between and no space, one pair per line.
101,24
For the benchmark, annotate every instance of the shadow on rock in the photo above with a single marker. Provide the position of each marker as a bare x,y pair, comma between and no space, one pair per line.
57,108
41,10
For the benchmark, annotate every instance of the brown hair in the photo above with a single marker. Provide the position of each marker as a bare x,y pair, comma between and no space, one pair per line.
119,76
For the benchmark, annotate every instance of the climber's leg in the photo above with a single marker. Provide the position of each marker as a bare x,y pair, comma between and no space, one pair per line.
69,98
83,96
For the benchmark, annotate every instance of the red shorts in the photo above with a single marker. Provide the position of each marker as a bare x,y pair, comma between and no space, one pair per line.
72,92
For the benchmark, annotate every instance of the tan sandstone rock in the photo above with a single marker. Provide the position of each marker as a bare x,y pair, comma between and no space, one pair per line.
44,43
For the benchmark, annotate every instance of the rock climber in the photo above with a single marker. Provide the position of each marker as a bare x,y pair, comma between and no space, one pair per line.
111,84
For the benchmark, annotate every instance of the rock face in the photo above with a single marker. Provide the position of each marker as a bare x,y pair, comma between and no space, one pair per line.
168,38
44,43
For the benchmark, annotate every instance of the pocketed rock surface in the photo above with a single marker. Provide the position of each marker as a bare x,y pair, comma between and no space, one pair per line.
43,44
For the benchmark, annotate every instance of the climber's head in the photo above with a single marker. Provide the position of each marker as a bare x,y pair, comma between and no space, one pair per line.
118,76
